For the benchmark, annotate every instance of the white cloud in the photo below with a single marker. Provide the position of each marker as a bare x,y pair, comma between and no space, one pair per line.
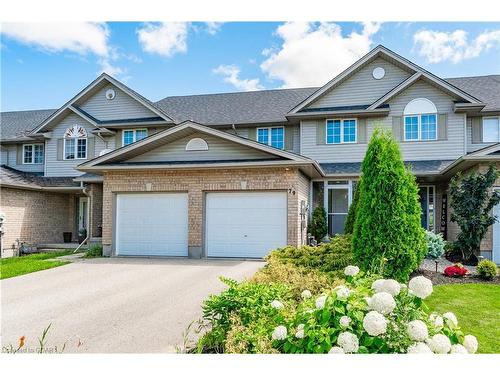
454,46
79,37
166,39
213,28
312,54
82,38
231,75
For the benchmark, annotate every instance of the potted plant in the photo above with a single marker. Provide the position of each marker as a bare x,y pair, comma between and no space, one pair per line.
82,235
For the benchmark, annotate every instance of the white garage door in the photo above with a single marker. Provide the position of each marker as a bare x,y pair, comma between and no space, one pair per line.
152,224
246,225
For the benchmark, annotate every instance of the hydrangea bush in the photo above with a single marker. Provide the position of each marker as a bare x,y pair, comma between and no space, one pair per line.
370,315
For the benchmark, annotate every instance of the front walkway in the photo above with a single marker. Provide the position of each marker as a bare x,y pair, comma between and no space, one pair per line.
117,305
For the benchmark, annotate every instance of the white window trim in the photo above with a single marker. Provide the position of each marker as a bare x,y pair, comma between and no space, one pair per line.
342,130
134,134
269,135
32,145
76,148
419,124
482,127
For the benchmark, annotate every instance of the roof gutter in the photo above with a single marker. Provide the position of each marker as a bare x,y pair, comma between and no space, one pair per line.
362,113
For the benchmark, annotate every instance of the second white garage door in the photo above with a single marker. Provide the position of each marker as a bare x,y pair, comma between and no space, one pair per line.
152,224
245,225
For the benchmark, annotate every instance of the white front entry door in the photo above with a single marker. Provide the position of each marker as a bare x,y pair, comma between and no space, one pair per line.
496,235
245,224
152,224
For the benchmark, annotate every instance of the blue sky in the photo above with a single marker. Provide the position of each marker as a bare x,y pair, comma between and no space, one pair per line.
44,65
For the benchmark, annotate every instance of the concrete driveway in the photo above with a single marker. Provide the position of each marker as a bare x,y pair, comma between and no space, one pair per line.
117,305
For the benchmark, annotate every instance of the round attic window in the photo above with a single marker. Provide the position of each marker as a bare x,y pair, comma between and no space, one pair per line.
378,72
110,94
197,144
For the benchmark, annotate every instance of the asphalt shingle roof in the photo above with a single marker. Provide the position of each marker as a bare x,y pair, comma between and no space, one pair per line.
11,176
235,108
417,167
14,124
485,88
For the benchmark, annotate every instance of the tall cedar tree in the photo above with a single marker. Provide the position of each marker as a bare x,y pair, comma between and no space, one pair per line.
318,226
472,201
388,237
351,213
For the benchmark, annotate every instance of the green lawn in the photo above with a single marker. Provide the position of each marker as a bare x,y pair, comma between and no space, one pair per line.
10,267
477,307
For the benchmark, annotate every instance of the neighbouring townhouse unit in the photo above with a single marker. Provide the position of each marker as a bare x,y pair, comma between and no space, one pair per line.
236,174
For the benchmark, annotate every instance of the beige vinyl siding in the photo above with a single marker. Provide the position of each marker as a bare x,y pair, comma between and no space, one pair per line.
362,88
123,106
451,148
9,157
56,167
218,149
471,147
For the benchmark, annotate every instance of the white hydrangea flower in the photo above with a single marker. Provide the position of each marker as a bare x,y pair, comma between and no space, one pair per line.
451,319
368,300
470,344
419,348
351,270
386,285
280,333
440,344
349,342
277,304
336,350
417,330
306,294
375,323
300,331
342,291
403,286
382,302
438,322
345,321
420,286
309,311
320,302
458,349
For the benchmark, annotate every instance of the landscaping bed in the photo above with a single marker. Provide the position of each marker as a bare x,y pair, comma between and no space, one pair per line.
439,278
11,267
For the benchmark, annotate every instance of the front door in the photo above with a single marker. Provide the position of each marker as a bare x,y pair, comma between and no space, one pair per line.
338,206
82,213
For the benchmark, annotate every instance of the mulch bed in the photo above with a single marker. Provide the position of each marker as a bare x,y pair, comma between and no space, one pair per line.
439,279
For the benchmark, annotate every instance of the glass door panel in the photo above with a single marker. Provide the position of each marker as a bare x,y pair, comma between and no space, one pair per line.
338,205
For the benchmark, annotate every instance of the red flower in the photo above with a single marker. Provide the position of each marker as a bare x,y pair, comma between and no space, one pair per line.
457,270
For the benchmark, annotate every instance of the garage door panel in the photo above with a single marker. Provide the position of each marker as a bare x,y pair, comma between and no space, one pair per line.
151,224
248,224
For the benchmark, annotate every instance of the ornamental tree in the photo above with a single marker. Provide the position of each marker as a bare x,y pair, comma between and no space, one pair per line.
388,237
472,200
318,227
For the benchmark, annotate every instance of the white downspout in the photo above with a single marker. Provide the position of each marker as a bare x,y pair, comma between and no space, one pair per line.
89,229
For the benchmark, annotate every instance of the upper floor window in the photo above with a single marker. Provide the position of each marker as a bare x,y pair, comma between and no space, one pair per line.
134,135
341,131
420,120
274,137
33,154
491,130
75,143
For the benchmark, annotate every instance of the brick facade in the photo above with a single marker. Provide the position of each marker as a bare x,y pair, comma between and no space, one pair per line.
95,224
198,182
35,216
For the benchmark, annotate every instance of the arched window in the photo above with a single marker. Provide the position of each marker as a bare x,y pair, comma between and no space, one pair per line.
197,144
75,143
420,120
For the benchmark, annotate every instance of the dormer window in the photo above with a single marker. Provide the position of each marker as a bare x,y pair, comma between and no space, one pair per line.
75,143
420,120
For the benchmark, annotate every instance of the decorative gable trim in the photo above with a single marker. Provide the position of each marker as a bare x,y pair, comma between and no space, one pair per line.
121,153
98,80
383,51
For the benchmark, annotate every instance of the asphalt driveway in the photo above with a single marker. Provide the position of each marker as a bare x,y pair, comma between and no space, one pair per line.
113,305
